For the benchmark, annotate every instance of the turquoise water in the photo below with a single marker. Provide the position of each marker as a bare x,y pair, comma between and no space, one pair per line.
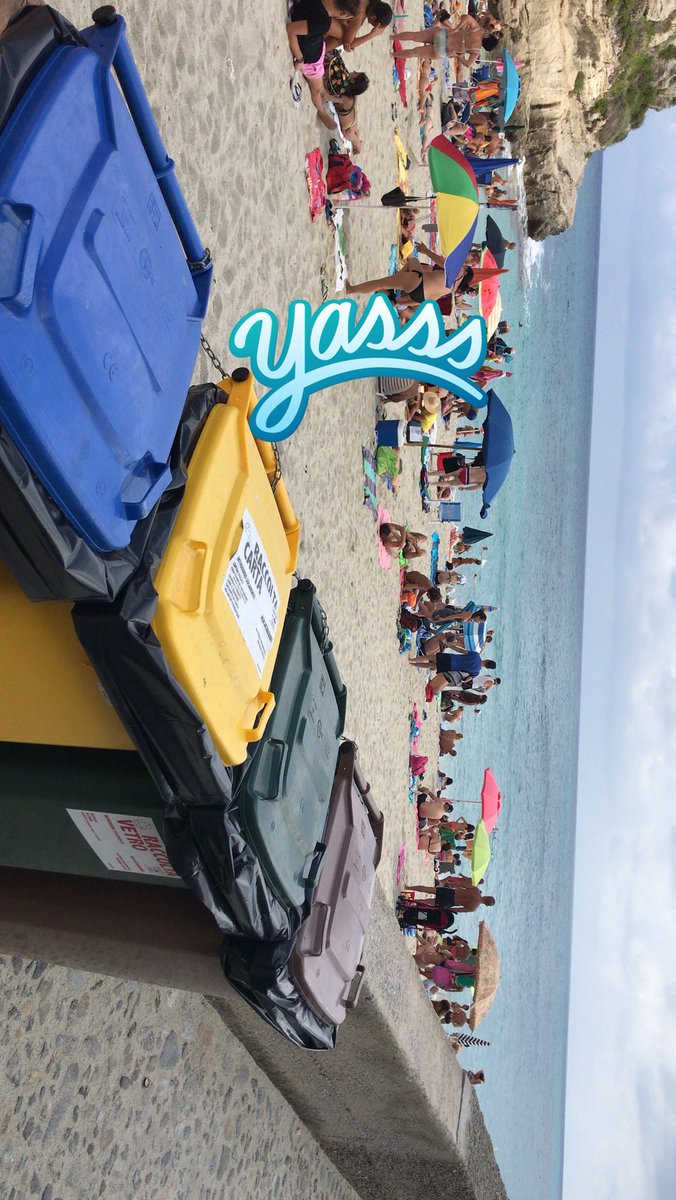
528,732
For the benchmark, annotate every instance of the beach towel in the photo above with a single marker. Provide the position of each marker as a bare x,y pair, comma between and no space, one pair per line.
402,158
339,250
399,72
434,556
418,764
369,468
384,558
474,635
413,737
401,859
388,464
423,482
314,172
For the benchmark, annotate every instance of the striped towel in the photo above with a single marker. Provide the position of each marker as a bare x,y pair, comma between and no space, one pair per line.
434,556
369,466
474,635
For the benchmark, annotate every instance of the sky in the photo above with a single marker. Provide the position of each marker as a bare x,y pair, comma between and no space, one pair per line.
620,1141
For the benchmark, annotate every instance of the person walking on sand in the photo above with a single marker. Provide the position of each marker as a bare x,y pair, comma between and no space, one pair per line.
311,22
458,898
467,664
463,43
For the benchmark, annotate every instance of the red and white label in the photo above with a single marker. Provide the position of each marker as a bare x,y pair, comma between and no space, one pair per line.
124,843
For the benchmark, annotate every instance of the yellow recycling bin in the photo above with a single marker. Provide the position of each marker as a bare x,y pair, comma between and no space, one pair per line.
49,692
224,580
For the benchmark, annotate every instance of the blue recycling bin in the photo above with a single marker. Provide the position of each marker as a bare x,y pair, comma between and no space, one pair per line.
104,283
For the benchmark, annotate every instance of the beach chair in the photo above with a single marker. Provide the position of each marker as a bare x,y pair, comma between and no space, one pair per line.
450,510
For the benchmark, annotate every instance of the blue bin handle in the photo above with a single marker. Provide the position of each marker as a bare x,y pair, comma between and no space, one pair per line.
108,39
159,475
28,225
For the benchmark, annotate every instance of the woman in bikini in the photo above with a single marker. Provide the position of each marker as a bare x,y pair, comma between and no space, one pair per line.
418,283
469,478
464,42
396,539
342,88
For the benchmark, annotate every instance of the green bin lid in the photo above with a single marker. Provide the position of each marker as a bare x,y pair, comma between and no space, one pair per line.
285,797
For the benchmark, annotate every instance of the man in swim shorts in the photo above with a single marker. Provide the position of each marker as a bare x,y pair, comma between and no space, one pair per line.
312,21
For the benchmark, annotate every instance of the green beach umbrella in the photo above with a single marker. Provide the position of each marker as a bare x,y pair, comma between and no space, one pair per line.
481,852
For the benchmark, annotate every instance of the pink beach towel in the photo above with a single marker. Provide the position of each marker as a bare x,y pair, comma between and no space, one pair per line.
401,859
314,176
384,558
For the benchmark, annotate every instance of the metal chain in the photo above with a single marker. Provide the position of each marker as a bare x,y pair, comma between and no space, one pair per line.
216,362
211,354
325,628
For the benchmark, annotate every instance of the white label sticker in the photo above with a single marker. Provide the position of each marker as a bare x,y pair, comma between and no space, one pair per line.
250,589
124,843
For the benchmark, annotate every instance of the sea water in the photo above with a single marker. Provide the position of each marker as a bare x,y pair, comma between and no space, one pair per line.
528,731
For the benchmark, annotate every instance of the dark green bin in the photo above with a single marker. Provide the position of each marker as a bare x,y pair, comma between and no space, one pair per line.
285,796
112,801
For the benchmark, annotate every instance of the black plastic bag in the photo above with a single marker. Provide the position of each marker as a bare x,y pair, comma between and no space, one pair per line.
204,835
45,554
26,44
260,973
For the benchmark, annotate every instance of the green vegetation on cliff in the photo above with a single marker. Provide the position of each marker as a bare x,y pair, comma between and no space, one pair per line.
643,72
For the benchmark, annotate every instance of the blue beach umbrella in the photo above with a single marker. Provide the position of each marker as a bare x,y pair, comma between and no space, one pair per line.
486,166
510,87
498,449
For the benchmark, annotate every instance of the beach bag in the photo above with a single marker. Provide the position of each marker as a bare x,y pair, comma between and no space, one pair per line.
345,176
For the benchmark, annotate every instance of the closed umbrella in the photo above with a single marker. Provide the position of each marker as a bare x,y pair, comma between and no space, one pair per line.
471,536
498,449
495,241
510,87
487,976
481,852
491,801
457,202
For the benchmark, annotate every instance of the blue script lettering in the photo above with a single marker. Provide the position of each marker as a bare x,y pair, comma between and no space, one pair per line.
334,345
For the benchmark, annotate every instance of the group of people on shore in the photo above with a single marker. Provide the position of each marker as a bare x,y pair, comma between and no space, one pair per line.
319,32
322,34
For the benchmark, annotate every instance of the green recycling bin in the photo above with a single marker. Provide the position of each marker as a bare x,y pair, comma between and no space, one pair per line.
284,799
81,812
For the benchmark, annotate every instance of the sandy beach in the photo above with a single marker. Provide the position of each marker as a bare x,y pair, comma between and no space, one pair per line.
218,80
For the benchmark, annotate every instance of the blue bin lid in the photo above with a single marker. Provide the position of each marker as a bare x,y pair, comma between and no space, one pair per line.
100,316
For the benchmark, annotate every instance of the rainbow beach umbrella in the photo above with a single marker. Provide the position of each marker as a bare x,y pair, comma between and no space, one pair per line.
455,183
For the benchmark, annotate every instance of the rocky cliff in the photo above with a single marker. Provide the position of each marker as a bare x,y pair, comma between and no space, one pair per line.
591,69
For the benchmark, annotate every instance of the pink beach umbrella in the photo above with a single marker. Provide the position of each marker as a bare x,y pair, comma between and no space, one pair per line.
491,800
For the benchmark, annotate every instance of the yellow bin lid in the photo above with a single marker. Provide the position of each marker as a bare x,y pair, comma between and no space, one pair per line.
49,692
225,577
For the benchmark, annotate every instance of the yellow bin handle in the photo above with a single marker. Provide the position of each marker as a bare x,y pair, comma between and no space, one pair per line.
266,704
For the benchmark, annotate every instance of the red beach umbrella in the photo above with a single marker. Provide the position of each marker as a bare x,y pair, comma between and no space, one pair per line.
489,283
491,800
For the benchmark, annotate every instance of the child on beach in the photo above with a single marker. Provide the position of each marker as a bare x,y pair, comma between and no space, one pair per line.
311,22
